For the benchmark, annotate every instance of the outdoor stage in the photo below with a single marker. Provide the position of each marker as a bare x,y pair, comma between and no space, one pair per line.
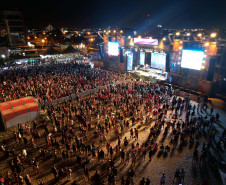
151,72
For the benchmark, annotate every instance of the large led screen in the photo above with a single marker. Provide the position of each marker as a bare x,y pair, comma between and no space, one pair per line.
146,41
113,48
142,58
158,60
130,61
192,59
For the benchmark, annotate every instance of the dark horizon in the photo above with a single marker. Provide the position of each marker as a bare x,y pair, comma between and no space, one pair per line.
174,14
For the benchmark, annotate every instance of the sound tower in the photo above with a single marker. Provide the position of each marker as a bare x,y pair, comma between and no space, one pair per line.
135,59
147,58
168,62
121,54
210,73
101,51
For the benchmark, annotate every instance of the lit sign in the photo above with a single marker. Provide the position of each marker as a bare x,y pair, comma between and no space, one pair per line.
146,41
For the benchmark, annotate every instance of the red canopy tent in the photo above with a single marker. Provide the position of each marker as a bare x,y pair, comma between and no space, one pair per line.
18,111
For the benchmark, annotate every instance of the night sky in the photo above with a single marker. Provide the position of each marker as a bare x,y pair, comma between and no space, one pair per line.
121,13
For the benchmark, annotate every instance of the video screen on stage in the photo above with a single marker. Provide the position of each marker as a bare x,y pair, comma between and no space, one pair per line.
129,61
192,59
142,58
113,48
158,60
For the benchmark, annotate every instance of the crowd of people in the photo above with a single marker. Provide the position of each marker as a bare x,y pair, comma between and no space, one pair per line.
86,140
52,81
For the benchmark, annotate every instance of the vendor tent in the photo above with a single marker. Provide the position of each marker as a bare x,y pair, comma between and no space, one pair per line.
71,49
18,111
51,51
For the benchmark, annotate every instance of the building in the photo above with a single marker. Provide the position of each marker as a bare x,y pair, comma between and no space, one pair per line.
15,27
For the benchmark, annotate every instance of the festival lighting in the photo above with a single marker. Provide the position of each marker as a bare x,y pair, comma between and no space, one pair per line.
203,67
178,33
28,38
139,36
114,31
150,37
43,40
104,31
207,44
180,48
129,37
121,31
164,39
199,35
188,34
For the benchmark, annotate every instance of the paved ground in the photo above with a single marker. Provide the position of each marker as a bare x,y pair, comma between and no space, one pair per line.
194,172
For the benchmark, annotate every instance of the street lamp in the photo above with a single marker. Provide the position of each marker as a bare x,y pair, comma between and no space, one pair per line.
213,35
3,56
43,42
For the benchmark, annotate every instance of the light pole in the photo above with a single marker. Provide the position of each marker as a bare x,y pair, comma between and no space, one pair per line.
3,56
43,41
